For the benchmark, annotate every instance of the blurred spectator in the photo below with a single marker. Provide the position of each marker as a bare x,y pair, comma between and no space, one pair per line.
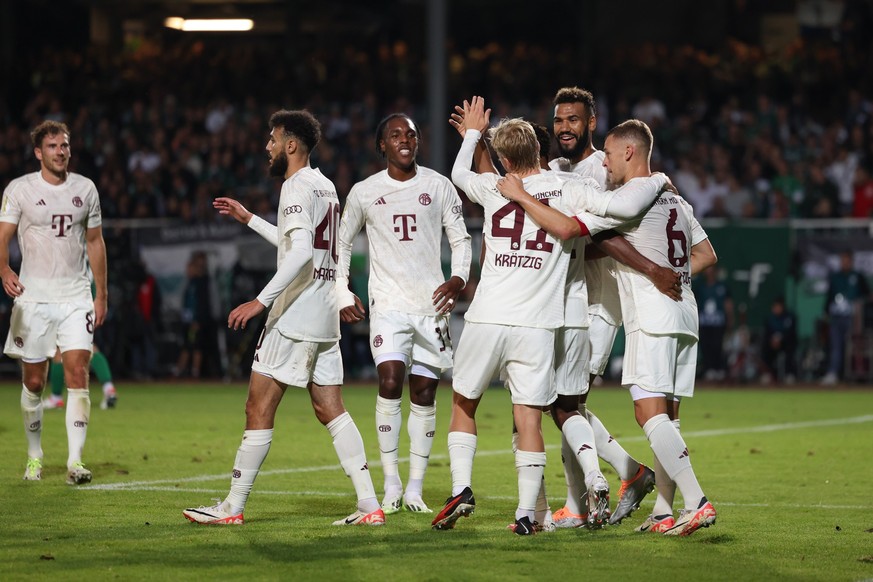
198,327
147,325
863,207
715,314
847,292
779,349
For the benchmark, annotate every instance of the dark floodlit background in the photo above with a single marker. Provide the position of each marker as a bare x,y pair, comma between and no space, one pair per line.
761,113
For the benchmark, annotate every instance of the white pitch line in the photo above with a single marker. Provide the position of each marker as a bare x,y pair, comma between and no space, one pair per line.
149,485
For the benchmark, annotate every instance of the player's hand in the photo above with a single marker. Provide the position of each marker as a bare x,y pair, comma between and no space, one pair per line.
668,282
475,114
511,187
11,284
456,120
100,309
231,207
446,295
240,316
353,313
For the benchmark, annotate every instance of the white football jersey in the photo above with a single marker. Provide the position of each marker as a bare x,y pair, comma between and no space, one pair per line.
665,235
405,222
307,310
525,268
52,221
600,275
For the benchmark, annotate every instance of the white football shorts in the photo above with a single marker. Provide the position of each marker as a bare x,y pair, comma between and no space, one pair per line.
524,356
38,330
660,363
572,356
296,362
423,338
602,335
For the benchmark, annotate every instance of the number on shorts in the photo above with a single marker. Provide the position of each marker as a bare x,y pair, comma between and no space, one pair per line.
325,232
539,243
677,243
89,322
442,339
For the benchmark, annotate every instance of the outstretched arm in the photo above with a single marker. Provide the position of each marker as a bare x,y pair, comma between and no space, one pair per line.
232,208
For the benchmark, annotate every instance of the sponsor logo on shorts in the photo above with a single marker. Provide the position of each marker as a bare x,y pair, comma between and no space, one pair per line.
377,341
19,342
424,199
384,428
77,202
236,474
430,434
293,209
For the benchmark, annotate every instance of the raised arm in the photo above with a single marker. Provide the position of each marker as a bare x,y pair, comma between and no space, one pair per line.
476,119
482,162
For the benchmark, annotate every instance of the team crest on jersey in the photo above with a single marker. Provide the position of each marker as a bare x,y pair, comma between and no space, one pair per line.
377,341
19,342
424,199
77,202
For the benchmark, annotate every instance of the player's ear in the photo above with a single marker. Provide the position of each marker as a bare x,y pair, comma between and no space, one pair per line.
291,146
629,152
592,123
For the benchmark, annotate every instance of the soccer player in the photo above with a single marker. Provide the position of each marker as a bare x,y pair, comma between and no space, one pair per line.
56,214
405,208
661,335
575,119
300,342
518,305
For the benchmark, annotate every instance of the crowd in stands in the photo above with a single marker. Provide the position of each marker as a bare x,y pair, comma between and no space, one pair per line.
162,128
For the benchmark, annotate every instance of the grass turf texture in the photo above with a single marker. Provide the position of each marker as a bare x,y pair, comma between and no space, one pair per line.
789,473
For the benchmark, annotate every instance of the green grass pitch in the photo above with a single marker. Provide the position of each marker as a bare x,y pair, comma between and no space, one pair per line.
789,472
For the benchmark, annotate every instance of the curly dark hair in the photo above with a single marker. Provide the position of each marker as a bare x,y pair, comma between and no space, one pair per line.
300,124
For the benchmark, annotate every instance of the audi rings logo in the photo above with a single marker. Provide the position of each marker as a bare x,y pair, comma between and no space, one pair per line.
19,343
457,209
430,434
377,341
384,428
77,202
293,209
35,425
424,199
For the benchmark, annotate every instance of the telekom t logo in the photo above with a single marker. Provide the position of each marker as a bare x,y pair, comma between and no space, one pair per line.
62,223
406,225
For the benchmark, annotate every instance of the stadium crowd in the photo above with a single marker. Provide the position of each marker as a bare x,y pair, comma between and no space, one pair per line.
743,132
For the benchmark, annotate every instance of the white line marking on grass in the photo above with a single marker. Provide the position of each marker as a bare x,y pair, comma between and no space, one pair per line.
150,485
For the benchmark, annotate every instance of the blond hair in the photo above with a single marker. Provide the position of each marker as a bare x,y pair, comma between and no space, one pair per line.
516,141
636,131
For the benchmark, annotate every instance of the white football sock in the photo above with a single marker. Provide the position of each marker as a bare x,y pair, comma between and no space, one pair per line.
666,489
388,422
249,457
672,452
77,416
530,467
462,449
421,427
610,451
31,411
349,448
573,477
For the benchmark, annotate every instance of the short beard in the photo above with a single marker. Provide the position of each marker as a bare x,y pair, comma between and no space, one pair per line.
577,150
279,167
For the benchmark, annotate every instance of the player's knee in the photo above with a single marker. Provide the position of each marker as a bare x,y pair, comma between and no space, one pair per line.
34,382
